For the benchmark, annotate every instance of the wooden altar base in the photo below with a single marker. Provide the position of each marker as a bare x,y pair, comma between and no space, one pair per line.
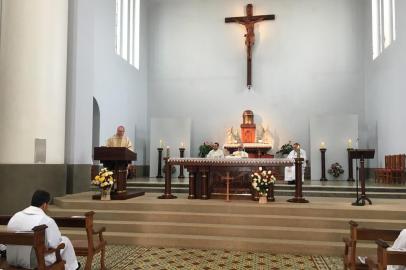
122,196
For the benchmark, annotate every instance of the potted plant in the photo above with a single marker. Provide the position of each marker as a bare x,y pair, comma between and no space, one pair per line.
105,181
285,149
261,181
204,149
336,169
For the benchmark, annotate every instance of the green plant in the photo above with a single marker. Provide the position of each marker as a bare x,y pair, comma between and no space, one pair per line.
286,149
204,149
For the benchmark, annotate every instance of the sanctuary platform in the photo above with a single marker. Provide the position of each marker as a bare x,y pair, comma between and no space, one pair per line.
279,227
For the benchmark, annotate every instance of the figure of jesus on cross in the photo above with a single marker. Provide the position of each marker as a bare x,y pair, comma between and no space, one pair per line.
249,21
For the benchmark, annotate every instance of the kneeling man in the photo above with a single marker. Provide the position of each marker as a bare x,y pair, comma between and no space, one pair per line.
25,220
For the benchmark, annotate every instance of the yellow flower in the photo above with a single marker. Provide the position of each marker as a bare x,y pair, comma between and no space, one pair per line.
97,177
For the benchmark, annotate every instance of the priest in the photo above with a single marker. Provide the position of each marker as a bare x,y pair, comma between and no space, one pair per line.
290,171
215,152
240,153
120,139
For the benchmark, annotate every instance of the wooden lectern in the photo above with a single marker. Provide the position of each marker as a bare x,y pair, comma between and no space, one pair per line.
361,154
116,159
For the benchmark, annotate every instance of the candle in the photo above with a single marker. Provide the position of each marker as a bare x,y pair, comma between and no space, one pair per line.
259,141
160,143
322,145
182,145
349,143
167,151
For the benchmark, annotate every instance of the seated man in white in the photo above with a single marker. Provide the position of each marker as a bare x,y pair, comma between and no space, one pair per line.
240,153
215,152
25,220
290,171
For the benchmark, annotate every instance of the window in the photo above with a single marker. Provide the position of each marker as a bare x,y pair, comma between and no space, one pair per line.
128,30
383,25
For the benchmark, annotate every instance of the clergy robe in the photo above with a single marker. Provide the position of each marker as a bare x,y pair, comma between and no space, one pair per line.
24,256
215,154
240,154
398,245
116,141
290,171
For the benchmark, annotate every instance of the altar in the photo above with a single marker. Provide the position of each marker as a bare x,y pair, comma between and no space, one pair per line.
209,176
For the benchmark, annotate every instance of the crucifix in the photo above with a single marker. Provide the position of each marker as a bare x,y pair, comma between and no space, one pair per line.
249,21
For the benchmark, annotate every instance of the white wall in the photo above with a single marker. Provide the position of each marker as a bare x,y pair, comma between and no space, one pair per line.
120,89
385,92
334,131
33,79
309,61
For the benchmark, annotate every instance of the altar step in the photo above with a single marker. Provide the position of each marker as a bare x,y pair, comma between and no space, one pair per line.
288,190
315,228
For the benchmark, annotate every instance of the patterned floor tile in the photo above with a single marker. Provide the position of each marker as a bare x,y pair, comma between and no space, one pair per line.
131,257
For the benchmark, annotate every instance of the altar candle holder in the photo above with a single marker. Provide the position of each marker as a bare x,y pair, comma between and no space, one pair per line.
160,149
181,155
323,164
350,167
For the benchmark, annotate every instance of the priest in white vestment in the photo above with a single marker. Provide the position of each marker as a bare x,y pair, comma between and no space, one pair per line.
290,171
25,220
240,153
215,152
119,139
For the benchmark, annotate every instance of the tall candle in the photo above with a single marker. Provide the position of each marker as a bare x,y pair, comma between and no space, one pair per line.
182,145
349,143
322,145
161,143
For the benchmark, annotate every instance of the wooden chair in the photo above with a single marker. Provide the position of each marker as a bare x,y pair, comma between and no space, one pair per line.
36,239
356,234
386,257
382,175
92,245
398,171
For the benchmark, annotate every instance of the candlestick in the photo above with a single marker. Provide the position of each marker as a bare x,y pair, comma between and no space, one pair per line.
167,151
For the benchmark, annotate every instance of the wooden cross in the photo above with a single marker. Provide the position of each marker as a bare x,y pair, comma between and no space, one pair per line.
249,21
228,178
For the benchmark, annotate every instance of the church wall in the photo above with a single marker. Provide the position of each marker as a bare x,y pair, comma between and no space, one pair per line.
385,93
96,71
307,62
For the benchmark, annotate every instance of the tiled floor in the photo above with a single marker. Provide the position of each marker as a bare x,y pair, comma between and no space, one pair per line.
131,257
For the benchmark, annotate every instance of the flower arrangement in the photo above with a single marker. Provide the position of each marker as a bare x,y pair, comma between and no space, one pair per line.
336,169
286,149
204,149
104,179
261,180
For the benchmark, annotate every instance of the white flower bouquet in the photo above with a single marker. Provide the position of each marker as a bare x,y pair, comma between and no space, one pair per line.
261,181
104,179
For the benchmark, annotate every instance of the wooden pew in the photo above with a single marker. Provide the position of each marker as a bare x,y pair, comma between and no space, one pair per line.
92,245
386,257
36,239
356,234
87,248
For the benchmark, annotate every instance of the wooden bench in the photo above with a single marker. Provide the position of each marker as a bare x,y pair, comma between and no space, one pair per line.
361,234
87,248
386,257
36,239
394,171
92,245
